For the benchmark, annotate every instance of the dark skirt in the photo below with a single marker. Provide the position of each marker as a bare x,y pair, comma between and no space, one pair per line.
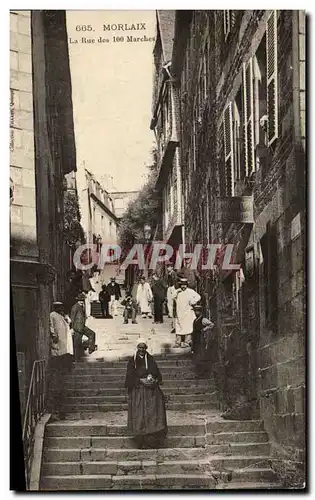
146,410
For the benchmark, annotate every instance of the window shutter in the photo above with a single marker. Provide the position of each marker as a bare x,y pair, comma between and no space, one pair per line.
272,78
226,22
248,104
229,18
228,149
236,141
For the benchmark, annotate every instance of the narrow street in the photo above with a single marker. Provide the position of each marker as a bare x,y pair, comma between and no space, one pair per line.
91,449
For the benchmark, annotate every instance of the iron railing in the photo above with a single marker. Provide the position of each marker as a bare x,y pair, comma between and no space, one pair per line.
35,407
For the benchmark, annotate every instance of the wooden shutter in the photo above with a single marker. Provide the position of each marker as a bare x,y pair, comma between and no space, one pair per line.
228,149
236,142
226,22
248,113
229,18
272,77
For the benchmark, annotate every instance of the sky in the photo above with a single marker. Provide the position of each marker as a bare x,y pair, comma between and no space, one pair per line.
112,95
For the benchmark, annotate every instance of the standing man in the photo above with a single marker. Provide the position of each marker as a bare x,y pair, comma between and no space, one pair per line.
186,298
104,299
202,327
144,298
158,291
61,356
78,319
115,294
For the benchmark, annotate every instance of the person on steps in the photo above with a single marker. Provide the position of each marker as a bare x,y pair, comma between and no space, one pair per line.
61,358
186,298
144,298
115,294
130,309
202,327
159,292
78,319
146,402
104,299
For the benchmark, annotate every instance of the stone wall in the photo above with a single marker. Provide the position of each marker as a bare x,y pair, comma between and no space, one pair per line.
260,316
22,163
40,108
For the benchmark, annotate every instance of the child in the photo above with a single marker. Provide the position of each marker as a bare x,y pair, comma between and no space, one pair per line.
130,309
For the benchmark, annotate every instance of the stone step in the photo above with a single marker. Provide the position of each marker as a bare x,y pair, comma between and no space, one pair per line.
111,454
152,467
112,377
237,437
82,408
104,365
123,468
220,425
128,482
121,442
253,485
246,449
94,369
123,398
114,385
165,355
253,474
100,391
85,428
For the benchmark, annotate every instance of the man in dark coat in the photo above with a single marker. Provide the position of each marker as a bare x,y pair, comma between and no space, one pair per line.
78,319
115,294
159,294
146,405
104,299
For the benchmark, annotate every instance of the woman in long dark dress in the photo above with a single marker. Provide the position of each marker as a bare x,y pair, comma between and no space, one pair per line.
146,406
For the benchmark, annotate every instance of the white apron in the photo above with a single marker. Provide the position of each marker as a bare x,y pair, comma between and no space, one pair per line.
185,314
144,297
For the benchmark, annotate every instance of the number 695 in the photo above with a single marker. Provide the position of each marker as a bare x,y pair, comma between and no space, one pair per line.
84,27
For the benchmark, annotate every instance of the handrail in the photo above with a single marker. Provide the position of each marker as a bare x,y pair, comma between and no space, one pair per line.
35,407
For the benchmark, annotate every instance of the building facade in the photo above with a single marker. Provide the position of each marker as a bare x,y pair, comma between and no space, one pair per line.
99,220
121,201
241,147
165,123
42,151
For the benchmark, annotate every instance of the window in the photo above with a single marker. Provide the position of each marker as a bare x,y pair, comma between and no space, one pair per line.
272,78
228,149
260,93
237,137
248,117
228,22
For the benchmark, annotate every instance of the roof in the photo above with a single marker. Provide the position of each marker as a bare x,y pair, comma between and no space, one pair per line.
166,26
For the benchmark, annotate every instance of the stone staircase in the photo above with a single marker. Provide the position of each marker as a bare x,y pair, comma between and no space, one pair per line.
91,449
96,310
